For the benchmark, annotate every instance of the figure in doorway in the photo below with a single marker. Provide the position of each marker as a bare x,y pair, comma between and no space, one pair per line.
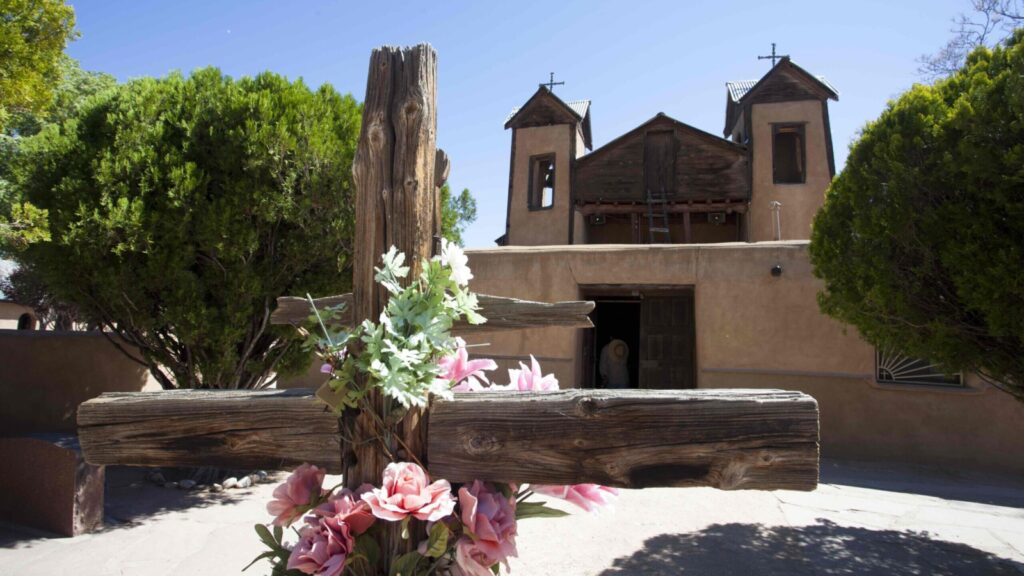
614,364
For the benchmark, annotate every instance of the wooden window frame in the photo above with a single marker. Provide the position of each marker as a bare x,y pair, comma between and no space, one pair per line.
801,128
534,191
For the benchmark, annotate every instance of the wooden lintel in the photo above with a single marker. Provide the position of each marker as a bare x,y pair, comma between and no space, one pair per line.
501,313
728,439
672,208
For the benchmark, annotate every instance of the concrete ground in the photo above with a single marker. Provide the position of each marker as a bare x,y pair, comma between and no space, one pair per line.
863,519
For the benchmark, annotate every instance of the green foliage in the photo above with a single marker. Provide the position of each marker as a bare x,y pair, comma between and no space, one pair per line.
179,209
22,223
921,239
457,212
526,510
33,34
399,353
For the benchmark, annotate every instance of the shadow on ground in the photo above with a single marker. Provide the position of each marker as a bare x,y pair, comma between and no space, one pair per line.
129,500
958,484
821,549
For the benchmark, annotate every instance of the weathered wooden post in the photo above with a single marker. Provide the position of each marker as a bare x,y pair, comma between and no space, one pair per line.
396,202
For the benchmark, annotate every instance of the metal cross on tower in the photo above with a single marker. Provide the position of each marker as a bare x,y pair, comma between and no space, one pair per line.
773,56
551,83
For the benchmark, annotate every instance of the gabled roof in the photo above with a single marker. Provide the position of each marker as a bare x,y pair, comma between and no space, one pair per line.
745,90
574,111
661,117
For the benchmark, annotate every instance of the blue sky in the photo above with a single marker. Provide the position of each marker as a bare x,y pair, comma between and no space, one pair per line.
632,59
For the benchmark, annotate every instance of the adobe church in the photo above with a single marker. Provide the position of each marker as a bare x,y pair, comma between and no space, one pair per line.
694,249
668,182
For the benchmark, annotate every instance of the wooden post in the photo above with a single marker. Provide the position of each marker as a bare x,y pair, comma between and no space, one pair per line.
396,203
687,235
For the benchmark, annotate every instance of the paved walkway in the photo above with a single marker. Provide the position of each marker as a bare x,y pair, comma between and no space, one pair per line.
862,520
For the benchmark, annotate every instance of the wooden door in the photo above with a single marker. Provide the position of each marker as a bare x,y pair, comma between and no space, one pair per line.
668,356
660,162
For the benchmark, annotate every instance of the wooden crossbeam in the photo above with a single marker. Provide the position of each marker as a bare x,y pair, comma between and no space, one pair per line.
501,313
728,439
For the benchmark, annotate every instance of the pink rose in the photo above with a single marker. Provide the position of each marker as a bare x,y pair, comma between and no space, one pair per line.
590,497
302,490
462,371
348,507
406,492
473,559
490,517
530,379
322,548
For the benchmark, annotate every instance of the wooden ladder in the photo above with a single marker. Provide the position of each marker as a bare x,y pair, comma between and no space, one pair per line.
657,218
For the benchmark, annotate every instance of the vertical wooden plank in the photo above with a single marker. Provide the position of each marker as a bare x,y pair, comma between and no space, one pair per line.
396,205
687,237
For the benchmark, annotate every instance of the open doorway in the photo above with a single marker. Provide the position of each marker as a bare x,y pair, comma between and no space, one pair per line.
657,325
615,319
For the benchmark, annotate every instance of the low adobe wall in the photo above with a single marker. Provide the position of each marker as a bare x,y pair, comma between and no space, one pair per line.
755,330
44,376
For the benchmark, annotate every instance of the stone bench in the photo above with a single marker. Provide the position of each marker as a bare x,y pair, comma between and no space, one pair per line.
47,484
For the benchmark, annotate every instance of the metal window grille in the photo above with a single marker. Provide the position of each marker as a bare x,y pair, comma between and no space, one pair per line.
892,367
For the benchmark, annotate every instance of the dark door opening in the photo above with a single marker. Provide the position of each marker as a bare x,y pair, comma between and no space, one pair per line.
614,319
657,324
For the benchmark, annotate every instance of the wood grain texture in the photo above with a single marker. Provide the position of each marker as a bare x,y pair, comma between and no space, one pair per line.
727,439
501,313
705,167
272,429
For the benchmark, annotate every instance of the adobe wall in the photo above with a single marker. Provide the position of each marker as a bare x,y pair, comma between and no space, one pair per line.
10,312
758,331
800,202
44,376
550,225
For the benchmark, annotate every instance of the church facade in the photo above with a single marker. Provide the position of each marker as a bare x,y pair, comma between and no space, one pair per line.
668,182
694,248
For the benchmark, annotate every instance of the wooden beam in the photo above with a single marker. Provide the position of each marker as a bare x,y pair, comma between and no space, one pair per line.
501,313
588,209
728,439
272,429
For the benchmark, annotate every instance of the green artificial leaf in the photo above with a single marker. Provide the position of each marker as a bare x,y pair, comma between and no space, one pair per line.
266,536
267,554
437,544
405,565
537,510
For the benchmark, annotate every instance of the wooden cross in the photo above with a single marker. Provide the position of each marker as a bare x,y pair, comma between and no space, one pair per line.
728,439
551,83
773,57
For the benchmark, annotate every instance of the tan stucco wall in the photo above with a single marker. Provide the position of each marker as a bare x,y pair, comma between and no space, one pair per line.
10,312
548,226
757,331
799,201
45,375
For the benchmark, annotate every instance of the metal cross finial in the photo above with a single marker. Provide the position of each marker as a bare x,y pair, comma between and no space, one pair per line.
551,83
774,56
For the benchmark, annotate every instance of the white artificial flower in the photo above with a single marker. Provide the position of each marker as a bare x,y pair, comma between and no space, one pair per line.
455,259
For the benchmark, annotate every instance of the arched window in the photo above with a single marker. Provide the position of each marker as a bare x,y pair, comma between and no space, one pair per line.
26,322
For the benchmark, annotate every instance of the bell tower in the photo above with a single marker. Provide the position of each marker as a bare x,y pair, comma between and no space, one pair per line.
783,120
548,134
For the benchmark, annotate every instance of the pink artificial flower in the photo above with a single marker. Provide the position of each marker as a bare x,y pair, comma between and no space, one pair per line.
473,559
490,518
531,380
458,368
406,492
348,507
323,547
590,497
326,368
297,494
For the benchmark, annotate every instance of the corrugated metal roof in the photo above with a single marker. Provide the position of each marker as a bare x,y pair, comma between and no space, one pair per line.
740,87
580,107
